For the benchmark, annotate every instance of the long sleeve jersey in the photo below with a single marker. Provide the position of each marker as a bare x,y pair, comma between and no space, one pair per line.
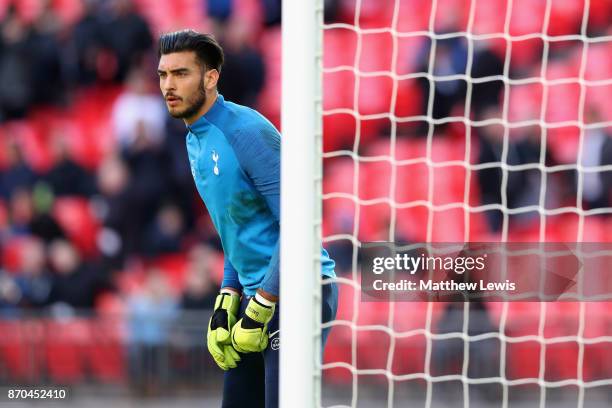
234,153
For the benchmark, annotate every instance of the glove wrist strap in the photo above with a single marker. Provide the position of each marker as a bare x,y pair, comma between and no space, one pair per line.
230,290
263,301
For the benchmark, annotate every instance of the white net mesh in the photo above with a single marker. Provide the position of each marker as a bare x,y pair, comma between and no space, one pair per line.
459,121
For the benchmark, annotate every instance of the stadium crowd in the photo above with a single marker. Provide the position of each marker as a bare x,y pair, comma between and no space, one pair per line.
98,211
94,179
136,201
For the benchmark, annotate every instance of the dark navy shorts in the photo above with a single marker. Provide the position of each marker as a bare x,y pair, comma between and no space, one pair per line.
254,383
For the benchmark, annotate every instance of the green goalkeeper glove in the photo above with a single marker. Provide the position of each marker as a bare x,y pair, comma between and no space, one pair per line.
250,334
227,306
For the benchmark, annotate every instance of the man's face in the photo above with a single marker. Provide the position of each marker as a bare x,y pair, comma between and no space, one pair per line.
181,80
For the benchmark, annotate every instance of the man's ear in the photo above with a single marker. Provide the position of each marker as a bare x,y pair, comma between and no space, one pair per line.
211,79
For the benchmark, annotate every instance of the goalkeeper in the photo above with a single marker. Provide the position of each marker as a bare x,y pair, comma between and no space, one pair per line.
234,154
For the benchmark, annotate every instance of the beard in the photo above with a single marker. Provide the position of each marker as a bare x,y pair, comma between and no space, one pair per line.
194,103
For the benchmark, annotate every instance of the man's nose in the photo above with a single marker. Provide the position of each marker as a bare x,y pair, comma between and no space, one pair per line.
168,85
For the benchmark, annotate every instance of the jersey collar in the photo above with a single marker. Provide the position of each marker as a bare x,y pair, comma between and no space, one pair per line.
204,121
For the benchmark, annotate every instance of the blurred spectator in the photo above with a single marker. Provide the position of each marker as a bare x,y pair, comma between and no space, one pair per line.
16,87
593,192
243,70
17,174
47,19
44,224
44,48
29,212
596,151
66,177
448,354
272,12
149,183
150,314
138,110
522,186
128,35
200,288
75,283
149,180
181,185
164,235
34,280
486,63
10,295
219,10
450,59
606,176
332,11
196,303
114,209
21,211
85,45
526,143
151,310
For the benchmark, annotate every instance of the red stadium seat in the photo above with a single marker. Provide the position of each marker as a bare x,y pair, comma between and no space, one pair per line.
65,346
170,16
338,88
566,97
4,216
338,350
12,253
76,217
92,119
414,15
110,305
31,142
15,353
338,347
50,123
339,213
489,17
598,324
408,104
563,144
598,64
130,281
105,355
270,98
70,11
565,17
339,175
522,318
174,268
523,359
527,17
247,10
525,102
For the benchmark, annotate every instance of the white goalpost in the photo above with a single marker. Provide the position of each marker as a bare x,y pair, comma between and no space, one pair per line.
300,204
414,182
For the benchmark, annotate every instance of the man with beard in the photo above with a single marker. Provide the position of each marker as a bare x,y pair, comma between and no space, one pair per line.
234,154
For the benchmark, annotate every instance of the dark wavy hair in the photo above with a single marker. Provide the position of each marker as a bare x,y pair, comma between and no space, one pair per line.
208,51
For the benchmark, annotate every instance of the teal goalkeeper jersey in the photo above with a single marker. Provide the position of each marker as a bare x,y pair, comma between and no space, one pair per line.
234,153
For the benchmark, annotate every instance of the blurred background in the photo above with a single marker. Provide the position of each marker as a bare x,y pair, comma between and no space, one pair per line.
109,263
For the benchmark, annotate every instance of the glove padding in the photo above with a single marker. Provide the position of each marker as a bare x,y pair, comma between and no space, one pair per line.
250,334
220,326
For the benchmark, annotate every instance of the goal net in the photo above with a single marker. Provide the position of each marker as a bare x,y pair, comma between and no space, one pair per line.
466,121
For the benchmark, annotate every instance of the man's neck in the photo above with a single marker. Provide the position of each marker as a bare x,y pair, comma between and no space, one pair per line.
210,101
